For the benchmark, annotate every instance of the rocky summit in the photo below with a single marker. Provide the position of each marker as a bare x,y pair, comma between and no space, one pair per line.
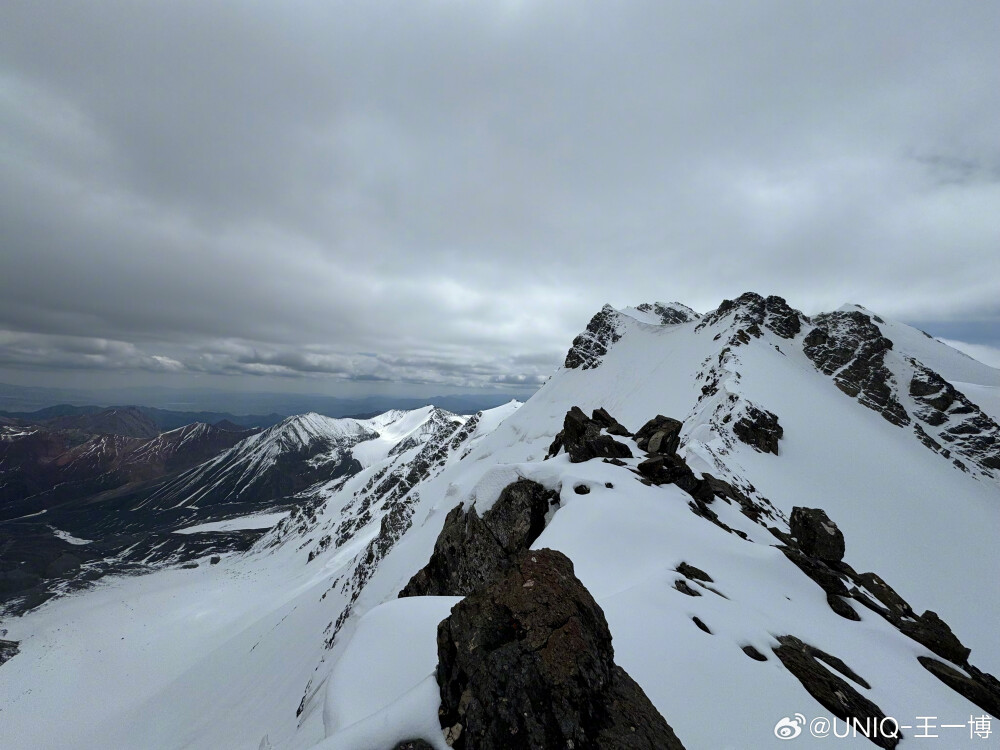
732,528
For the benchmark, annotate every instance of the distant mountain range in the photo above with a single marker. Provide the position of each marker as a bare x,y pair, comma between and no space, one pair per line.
21,399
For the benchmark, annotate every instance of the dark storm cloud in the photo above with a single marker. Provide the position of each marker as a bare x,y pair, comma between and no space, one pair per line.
454,188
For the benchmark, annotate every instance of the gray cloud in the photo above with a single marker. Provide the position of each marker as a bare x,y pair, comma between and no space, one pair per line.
445,192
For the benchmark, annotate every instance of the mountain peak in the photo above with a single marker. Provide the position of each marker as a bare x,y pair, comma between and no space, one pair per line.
660,313
751,310
603,330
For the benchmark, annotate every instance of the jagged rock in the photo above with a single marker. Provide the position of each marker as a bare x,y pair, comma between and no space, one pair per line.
528,663
816,534
414,745
851,349
664,431
693,573
970,432
897,605
672,470
673,313
701,626
934,633
470,551
582,439
685,588
611,425
759,428
750,311
8,650
603,330
834,693
982,689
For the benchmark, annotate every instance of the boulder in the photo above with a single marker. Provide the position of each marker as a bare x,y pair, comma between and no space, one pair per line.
659,435
527,662
816,534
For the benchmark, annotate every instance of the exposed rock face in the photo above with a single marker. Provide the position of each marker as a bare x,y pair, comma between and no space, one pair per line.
934,633
759,428
982,689
672,313
603,330
471,552
750,311
816,534
834,693
959,425
528,663
659,435
851,349
582,439
8,650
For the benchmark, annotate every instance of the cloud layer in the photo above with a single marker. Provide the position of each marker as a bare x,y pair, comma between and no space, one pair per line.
444,192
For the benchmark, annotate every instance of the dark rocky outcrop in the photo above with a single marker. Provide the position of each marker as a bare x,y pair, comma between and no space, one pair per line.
610,425
692,573
671,470
851,349
754,653
933,632
759,428
751,311
8,650
964,428
816,534
528,663
659,435
828,579
471,552
673,313
414,745
701,625
582,439
834,693
685,588
980,688
896,605
603,330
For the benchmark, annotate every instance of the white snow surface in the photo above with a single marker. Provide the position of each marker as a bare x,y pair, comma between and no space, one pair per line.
225,656
67,537
256,521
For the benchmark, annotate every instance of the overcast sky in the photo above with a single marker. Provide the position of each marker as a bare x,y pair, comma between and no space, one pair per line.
332,195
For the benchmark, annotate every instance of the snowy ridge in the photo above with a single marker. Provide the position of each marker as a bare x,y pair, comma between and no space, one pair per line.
301,642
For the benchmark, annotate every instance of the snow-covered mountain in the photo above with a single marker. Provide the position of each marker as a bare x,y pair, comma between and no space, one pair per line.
782,519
